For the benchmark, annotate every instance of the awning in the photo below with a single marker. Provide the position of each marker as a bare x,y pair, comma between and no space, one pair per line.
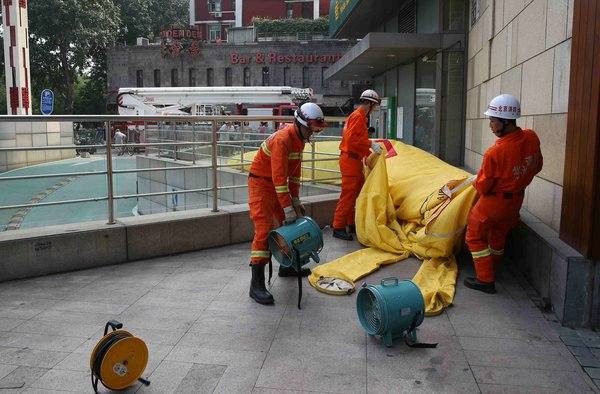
379,52
355,18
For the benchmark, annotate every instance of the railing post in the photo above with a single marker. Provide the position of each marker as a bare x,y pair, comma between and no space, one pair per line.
214,166
312,143
194,142
175,145
109,175
145,139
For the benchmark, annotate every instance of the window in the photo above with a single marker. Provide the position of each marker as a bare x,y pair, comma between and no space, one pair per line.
192,77
324,82
139,78
286,76
174,80
228,79
210,77
474,11
289,10
157,78
454,15
246,76
214,31
214,5
305,77
306,11
232,5
265,76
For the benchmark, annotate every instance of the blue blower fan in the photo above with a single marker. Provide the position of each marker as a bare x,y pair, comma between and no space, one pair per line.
392,310
293,245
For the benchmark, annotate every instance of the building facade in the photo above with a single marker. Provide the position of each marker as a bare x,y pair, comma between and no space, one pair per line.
542,51
296,64
415,52
214,18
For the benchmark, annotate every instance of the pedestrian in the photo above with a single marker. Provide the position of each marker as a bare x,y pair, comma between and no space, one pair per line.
508,167
274,189
354,147
263,128
120,138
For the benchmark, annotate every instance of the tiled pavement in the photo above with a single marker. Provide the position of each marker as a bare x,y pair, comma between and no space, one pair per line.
204,334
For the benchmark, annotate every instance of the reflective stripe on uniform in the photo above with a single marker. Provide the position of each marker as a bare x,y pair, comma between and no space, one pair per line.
260,254
282,189
295,155
481,253
294,179
496,252
263,146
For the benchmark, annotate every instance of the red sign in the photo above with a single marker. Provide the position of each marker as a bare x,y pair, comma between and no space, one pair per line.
275,58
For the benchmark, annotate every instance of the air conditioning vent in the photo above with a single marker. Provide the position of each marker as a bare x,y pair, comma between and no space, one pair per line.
218,14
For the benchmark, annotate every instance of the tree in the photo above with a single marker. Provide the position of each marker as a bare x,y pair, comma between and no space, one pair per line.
64,34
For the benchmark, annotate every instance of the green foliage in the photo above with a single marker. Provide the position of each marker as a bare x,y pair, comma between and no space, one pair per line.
68,41
291,26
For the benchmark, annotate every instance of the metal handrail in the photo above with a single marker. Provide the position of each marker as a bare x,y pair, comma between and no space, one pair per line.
207,121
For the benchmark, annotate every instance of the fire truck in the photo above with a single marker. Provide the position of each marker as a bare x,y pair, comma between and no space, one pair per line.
243,100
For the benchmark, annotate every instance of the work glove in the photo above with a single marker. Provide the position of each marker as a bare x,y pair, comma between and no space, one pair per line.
376,147
371,130
298,207
290,214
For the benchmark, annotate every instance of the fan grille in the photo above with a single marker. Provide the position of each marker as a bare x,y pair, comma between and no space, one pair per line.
373,314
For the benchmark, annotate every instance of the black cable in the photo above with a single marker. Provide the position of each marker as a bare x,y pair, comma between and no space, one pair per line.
105,345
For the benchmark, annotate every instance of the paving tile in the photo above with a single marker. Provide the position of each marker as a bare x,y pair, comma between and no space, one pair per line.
237,380
15,312
28,357
8,324
201,378
74,381
588,361
597,382
57,328
507,345
592,342
512,389
545,379
161,318
593,372
580,351
94,307
40,342
213,356
43,391
319,381
573,341
517,360
166,377
221,341
192,299
315,357
22,375
6,369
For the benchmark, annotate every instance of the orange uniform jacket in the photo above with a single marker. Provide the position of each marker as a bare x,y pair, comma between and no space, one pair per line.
511,164
354,146
355,137
508,168
280,159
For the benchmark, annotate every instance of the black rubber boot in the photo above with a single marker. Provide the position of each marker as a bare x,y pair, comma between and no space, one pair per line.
258,291
475,284
352,229
290,271
341,233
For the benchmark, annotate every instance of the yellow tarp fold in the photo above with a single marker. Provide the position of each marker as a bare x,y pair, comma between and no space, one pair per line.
412,204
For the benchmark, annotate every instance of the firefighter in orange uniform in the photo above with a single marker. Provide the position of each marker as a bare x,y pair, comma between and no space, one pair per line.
354,147
508,168
274,188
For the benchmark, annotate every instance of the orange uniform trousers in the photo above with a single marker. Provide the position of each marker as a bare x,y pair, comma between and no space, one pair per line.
264,206
488,224
352,182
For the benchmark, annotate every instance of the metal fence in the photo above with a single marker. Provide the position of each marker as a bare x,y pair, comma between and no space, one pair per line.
195,142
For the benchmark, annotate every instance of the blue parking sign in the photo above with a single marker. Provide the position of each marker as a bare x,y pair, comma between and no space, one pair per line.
47,102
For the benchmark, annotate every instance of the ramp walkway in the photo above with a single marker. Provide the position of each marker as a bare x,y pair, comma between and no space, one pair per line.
206,335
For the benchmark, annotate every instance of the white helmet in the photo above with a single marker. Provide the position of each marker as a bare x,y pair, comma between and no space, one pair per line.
311,116
504,106
370,95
